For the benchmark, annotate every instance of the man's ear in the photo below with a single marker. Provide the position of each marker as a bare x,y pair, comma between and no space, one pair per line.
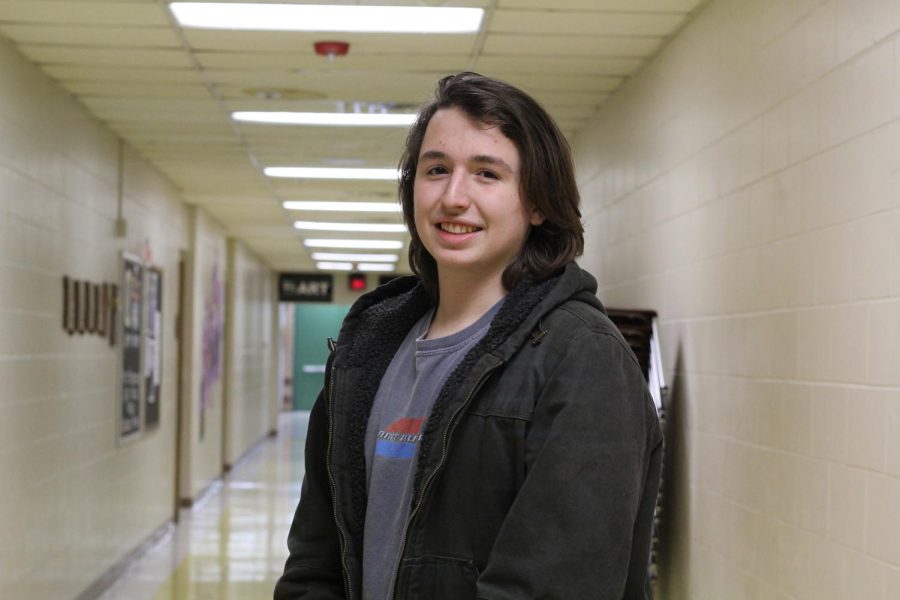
537,217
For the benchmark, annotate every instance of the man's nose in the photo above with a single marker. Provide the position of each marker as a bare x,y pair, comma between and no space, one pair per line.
456,194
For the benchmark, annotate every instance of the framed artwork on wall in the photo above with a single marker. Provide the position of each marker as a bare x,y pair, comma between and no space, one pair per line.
131,390
152,346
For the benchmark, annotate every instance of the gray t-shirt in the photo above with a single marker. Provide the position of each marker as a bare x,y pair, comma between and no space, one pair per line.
407,391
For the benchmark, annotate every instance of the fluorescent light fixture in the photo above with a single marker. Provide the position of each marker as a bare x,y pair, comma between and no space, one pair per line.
342,206
303,17
334,266
332,173
374,267
338,256
370,227
333,118
355,244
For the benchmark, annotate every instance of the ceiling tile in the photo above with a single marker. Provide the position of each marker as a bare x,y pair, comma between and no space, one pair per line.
68,12
137,90
372,63
550,22
84,35
301,43
494,65
568,45
131,57
125,74
682,6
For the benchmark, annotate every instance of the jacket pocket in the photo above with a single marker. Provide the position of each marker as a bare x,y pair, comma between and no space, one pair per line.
437,578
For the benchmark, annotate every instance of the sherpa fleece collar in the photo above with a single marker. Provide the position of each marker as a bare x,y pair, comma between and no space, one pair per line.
376,326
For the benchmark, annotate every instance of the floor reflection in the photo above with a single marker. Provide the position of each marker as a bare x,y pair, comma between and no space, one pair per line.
230,545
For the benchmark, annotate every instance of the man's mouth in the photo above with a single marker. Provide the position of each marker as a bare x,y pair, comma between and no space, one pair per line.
457,228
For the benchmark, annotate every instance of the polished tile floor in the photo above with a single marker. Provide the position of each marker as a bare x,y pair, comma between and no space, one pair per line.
230,545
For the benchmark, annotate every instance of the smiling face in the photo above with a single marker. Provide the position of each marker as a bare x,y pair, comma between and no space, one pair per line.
468,209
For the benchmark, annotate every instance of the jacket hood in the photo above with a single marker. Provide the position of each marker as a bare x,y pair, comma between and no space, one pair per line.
403,301
529,303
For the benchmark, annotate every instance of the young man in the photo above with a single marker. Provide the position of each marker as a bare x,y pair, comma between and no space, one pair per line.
484,430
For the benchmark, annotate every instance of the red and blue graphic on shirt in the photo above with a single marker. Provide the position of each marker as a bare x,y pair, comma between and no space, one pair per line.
399,439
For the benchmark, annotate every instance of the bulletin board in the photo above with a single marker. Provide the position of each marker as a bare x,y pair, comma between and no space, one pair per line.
152,346
132,347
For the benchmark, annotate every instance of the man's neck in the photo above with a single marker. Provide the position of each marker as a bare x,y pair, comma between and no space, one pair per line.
463,300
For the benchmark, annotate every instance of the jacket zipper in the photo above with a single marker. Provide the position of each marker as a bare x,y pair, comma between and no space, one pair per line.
444,447
342,535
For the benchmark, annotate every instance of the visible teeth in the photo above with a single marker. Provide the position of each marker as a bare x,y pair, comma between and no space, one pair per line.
454,228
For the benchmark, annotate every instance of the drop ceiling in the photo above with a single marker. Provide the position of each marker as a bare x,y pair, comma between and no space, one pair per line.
169,91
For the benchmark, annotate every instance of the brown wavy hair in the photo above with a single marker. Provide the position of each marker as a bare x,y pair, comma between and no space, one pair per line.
547,176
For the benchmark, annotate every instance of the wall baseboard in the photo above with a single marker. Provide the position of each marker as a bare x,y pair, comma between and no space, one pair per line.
104,581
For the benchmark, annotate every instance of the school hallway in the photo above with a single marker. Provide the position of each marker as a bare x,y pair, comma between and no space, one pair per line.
232,544
188,209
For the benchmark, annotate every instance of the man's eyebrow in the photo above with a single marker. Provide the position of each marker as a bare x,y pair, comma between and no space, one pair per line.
478,158
492,160
433,154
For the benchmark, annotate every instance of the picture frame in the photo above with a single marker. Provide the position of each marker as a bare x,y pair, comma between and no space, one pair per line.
131,389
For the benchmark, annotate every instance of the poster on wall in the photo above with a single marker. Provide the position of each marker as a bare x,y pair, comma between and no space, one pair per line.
132,313
152,347
213,335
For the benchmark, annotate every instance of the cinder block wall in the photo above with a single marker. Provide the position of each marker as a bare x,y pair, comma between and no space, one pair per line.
250,397
73,501
747,186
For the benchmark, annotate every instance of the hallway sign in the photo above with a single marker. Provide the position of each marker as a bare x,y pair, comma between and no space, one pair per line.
305,287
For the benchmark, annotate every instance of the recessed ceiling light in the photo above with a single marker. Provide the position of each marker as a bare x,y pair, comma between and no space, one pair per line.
309,17
334,266
355,244
334,118
342,206
339,256
374,267
372,227
332,173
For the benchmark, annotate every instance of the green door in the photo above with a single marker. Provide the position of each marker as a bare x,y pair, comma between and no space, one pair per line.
313,325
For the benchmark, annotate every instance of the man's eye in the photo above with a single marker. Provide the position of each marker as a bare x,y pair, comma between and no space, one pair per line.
435,170
488,174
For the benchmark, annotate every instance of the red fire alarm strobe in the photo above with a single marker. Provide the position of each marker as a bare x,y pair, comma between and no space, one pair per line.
331,49
356,282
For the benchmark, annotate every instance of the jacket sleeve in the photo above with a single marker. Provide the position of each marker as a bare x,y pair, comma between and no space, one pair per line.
580,526
312,570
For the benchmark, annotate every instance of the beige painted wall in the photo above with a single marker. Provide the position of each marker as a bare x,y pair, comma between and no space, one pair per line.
250,398
72,500
746,186
204,408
